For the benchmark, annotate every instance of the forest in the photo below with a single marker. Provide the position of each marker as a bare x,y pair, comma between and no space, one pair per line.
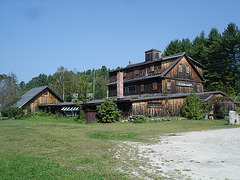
218,52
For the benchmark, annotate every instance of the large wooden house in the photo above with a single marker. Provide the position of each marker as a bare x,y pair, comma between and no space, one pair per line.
156,87
177,73
159,85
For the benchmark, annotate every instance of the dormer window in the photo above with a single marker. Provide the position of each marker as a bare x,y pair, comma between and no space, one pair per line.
180,68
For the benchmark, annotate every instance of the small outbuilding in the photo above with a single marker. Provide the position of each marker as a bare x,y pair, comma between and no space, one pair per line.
37,96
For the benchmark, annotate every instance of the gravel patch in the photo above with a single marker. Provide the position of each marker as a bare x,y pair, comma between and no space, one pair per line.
213,154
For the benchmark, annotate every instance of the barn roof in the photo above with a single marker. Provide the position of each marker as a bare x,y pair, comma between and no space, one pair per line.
32,94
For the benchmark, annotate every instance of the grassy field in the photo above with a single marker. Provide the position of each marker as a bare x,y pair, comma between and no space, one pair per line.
46,148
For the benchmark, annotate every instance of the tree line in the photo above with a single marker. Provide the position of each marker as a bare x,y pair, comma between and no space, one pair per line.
65,83
218,52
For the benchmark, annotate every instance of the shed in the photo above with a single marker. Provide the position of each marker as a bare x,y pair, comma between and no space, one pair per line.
37,96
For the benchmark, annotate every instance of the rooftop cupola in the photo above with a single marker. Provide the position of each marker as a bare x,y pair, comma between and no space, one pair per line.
152,55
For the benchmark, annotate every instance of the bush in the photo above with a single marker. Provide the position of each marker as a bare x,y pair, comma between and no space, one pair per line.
41,113
108,112
12,112
193,108
80,118
139,119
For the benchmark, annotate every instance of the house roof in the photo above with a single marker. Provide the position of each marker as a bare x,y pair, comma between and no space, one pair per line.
177,60
150,62
204,96
32,94
178,56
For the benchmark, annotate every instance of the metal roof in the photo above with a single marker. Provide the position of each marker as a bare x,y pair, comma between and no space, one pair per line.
151,62
31,94
178,56
204,96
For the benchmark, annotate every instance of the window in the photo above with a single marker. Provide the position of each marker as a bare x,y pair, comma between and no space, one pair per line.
45,93
180,68
142,88
131,89
169,86
152,68
154,86
136,72
157,55
198,88
180,89
146,72
187,69
154,105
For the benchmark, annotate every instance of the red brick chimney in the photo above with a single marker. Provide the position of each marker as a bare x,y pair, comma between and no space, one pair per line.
120,84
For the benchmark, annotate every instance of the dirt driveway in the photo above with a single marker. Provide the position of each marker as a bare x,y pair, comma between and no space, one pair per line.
213,154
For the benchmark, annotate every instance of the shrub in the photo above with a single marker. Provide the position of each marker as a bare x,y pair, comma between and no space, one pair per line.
12,112
193,107
80,118
108,112
41,113
139,119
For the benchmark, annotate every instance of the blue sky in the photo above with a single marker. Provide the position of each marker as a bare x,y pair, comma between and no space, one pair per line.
38,36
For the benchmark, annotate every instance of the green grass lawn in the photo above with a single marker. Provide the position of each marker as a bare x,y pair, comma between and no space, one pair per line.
46,148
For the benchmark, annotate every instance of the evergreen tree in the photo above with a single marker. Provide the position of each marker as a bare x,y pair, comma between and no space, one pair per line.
231,55
200,50
193,108
177,46
214,64
108,112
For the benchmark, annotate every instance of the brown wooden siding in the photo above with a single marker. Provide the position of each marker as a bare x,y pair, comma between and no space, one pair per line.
180,89
226,104
44,97
186,75
170,107
166,64
144,87
112,90
174,73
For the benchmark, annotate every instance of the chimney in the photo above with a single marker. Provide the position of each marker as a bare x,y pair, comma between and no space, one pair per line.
120,84
130,62
152,55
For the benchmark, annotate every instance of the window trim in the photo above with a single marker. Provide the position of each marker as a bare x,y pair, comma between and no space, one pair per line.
180,69
152,68
142,88
198,88
187,69
169,85
154,86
